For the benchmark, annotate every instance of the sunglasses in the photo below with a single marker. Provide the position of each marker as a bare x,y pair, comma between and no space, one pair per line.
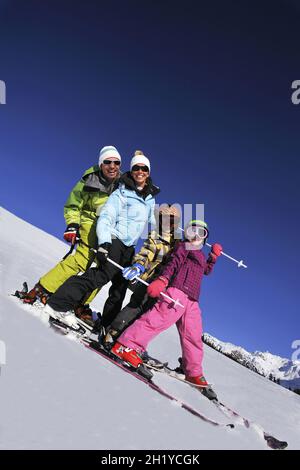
142,168
109,162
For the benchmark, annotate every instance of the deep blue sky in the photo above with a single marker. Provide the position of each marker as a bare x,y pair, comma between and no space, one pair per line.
204,88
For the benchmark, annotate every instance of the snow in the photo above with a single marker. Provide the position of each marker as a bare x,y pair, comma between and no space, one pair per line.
56,394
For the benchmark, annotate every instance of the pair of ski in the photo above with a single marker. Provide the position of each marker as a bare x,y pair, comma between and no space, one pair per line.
271,441
145,377
83,334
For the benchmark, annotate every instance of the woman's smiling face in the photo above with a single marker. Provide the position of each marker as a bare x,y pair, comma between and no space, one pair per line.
140,174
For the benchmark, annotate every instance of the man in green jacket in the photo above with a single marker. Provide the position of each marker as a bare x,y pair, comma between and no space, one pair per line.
81,212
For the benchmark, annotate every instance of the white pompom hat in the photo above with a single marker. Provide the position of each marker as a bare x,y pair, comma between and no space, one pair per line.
139,159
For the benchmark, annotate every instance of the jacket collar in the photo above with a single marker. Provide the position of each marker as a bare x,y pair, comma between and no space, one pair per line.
149,189
95,181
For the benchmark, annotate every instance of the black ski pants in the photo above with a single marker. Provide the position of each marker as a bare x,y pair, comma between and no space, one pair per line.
74,290
139,303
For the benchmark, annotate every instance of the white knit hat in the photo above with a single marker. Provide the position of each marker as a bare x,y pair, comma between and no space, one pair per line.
108,152
139,159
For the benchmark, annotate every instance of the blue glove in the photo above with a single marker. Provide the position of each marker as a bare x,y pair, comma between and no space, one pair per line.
133,271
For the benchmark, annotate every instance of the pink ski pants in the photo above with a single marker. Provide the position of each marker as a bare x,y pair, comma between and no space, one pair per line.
162,316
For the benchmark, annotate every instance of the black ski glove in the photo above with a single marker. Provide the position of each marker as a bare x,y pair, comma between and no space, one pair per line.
103,253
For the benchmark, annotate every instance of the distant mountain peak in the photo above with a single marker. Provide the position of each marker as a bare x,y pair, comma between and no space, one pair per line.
264,363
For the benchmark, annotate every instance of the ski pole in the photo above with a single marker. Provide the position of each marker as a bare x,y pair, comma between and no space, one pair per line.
71,249
176,302
239,263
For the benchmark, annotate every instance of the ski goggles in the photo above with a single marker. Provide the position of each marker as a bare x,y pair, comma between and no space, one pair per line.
109,162
143,168
195,231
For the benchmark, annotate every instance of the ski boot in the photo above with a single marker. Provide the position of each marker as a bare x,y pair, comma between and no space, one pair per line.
66,318
204,386
85,314
38,292
131,358
127,354
199,380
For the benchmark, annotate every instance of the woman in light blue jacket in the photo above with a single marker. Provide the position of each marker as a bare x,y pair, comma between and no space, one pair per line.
120,225
127,210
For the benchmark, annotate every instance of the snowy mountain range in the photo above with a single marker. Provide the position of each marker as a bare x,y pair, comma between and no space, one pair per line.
57,394
264,363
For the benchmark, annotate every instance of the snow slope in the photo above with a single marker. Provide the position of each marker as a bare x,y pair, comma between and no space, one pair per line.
55,394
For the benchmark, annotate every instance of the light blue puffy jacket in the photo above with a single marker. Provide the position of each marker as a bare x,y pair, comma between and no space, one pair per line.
125,213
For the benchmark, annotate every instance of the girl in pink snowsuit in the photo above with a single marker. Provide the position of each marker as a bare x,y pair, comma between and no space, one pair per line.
182,277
